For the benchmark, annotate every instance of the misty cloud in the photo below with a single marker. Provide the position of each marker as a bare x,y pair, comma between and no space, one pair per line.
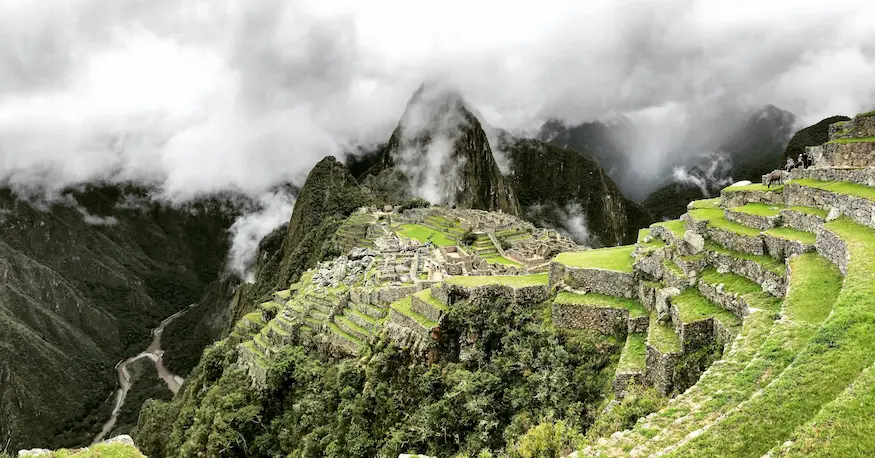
274,210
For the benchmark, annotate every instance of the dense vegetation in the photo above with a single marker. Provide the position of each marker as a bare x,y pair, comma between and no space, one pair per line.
519,373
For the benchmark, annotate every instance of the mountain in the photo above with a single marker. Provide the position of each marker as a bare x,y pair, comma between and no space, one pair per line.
444,153
749,150
607,142
83,279
560,188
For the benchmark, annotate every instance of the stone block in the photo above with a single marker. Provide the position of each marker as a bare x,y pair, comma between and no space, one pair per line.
608,282
801,221
756,221
737,242
602,319
832,247
638,324
660,369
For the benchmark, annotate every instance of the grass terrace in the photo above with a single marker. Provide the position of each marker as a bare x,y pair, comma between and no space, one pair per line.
600,300
654,244
841,349
425,296
498,259
618,258
759,209
424,234
706,203
405,306
731,226
839,187
333,327
675,226
750,290
767,262
809,210
509,280
634,354
662,337
705,214
789,233
754,187
854,140
692,306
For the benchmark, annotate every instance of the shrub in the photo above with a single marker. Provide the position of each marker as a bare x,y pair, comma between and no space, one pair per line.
468,238
547,440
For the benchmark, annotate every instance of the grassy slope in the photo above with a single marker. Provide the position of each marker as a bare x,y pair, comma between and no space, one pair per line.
509,280
425,234
600,300
634,353
840,187
833,358
759,209
662,337
793,234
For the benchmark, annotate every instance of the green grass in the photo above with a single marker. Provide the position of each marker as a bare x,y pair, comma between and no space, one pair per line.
284,294
759,209
498,259
789,233
706,214
675,226
654,244
363,316
866,114
600,300
833,359
809,210
731,226
425,296
672,266
351,324
333,327
424,234
254,317
509,280
767,262
707,203
854,140
617,258
634,354
839,187
748,289
662,337
405,306
642,234
99,451
754,187
692,306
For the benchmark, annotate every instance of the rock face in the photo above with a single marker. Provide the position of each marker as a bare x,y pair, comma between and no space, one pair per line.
440,146
560,188
82,280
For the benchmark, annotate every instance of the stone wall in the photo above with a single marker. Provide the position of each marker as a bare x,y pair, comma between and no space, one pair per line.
732,302
780,248
864,176
732,199
853,154
859,209
771,282
622,380
651,263
425,309
660,369
747,219
647,295
602,319
449,293
737,242
859,127
663,233
608,282
832,247
638,324
801,221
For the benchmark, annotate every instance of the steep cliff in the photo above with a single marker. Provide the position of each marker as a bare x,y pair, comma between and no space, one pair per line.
82,280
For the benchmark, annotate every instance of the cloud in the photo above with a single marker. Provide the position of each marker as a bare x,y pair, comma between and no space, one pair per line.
573,224
196,97
274,210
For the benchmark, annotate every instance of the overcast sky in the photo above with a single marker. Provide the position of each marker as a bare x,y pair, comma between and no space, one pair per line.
198,96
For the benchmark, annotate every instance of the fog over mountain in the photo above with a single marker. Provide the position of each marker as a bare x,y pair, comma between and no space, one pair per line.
196,97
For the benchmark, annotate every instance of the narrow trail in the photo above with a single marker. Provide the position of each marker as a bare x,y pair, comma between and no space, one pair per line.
153,352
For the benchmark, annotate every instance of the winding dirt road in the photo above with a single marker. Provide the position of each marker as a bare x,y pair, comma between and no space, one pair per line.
154,353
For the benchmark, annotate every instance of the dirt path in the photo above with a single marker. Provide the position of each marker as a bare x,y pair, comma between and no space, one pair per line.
153,352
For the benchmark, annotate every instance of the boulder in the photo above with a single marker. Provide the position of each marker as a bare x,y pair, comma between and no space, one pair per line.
833,215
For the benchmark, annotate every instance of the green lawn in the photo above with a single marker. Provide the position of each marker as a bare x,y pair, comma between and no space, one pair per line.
675,226
789,233
749,289
424,234
810,210
731,226
617,258
754,187
662,337
707,203
510,280
706,214
759,209
634,354
840,187
693,306
600,300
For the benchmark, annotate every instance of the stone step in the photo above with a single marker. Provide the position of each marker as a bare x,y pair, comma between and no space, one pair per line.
285,324
598,312
809,219
699,322
428,306
370,310
737,196
360,318
668,231
673,275
735,236
766,271
856,201
343,341
318,315
663,351
783,242
735,293
633,362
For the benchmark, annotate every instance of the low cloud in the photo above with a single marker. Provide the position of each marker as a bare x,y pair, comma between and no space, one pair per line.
573,224
273,211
